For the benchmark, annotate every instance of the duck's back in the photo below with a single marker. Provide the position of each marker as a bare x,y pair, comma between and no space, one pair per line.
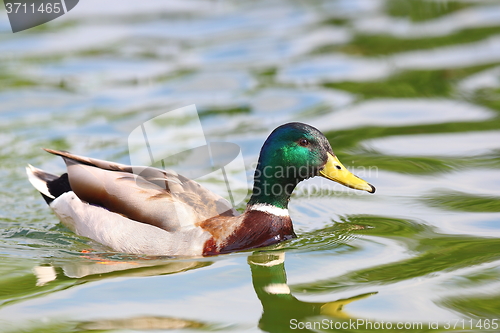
159,197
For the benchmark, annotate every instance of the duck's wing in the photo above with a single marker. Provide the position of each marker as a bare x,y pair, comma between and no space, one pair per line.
153,196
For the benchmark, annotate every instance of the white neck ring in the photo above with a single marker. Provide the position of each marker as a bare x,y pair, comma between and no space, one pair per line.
270,209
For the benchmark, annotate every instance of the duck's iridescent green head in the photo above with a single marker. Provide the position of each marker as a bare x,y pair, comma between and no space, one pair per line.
294,152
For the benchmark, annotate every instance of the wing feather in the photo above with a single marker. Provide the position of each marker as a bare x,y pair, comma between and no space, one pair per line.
150,195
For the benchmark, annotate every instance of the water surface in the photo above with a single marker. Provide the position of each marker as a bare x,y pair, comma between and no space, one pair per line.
407,92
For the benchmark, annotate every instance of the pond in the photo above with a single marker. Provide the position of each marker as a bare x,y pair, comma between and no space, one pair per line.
407,92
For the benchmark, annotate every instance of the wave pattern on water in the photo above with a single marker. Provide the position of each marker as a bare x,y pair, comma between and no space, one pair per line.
407,92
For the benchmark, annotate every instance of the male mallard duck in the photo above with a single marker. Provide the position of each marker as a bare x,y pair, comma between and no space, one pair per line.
150,211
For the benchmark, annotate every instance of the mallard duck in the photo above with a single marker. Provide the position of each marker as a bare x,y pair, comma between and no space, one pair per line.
144,210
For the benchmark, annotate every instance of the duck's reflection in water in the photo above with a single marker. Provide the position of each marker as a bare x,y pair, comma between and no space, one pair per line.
100,266
142,323
281,310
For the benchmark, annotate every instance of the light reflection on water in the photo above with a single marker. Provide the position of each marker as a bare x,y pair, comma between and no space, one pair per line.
478,53
334,68
400,112
419,122
450,144
473,17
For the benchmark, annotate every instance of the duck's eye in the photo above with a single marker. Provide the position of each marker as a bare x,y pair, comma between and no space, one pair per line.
304,142
338,167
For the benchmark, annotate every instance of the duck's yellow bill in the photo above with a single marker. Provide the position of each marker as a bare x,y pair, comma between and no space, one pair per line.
334,170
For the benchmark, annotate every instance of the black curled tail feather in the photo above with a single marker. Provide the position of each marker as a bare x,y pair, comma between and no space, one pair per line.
59,186
50,186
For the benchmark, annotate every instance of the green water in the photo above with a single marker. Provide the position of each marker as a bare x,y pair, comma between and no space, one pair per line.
407,92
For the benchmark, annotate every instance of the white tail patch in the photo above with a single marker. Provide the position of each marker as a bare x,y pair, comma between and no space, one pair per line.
38,183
